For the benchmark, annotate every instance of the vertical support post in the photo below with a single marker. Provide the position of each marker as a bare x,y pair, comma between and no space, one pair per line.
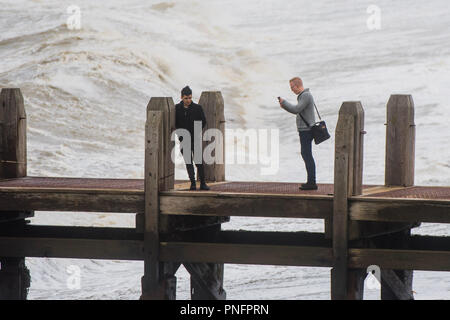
399,171
355,110
13,142
213,107
342,183
151,280
167,166
400,141
14,275
159,281
345,283
207,278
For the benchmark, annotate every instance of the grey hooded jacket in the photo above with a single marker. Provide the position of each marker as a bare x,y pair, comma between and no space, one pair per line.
305,106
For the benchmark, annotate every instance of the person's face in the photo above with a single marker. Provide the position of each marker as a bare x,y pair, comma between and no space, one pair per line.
187,100
295,89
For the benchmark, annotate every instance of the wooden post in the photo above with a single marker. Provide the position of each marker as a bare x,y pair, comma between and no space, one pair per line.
400,157
168,226
345,283
13,143
151,280
166,172
400,141
207,278
355,111
167,166
396,284
159,281
343,161
14,275
213,107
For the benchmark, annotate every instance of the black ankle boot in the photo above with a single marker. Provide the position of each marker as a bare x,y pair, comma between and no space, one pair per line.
193,186
203,186
308,186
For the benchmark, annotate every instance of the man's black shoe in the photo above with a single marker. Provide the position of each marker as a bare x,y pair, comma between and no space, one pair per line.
308,186
193,186
203,186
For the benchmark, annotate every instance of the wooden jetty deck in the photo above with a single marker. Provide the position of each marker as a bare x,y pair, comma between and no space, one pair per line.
365,225
264,199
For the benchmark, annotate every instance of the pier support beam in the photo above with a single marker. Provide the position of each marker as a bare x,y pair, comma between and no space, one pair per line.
348,166
400,141
159,281
395,284
399,171
207,278
14,275
213,107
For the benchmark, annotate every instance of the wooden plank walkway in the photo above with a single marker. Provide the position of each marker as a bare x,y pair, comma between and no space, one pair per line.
229,198
136,186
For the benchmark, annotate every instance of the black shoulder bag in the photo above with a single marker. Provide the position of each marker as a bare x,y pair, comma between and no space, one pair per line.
319,129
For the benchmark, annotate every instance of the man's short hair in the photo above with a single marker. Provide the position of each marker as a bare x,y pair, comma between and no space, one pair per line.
186,91
297,81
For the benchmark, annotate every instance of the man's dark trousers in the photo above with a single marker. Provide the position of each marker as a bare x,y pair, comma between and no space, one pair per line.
306,139
190,166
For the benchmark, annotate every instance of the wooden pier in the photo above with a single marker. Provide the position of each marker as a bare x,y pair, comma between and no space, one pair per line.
365,225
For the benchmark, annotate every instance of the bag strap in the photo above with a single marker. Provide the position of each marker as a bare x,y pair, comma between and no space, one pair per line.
314,107
317,114
300,114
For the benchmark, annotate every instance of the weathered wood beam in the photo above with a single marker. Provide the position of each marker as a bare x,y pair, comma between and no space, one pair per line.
225,253
71,201
246,254
72,248
400,259
170,224
400,141
302,238
206,281
15,277
71,232
398,288
371,229
343,188
256,205
206,278
215,204
13,134
213,107
166,169
154,285
7,216
399,210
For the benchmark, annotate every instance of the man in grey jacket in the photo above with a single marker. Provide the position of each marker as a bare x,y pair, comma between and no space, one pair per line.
305,107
